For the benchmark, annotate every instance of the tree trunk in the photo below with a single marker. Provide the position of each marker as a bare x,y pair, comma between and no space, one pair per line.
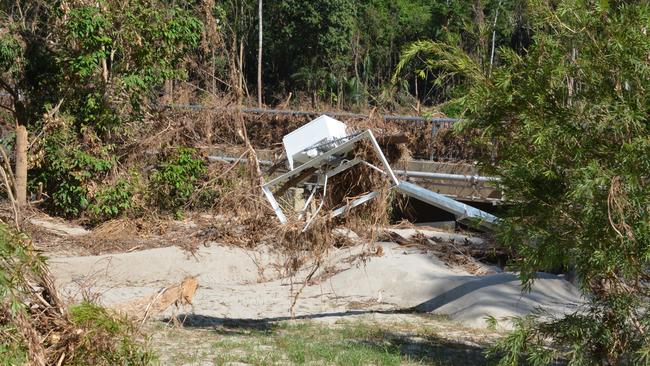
214,73
20,170
479,20
259,56
169,91
240,79
494,37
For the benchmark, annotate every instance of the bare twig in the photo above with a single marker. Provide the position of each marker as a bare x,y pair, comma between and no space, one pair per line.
302,287
252,154
7,165
7,180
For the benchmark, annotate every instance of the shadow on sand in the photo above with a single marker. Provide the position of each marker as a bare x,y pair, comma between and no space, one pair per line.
423,348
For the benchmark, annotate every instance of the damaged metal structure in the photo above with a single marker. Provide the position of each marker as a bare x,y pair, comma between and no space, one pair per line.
320,150
321,147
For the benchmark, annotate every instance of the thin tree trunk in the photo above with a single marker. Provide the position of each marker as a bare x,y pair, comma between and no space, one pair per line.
479,20
214,72
169,91
242,80
104,67
259,56
235,71
20,170
366,74
494,37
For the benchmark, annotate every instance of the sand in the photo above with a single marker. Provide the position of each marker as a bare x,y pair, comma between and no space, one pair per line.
246,285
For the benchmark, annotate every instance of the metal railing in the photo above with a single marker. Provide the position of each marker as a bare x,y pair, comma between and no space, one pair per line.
387,117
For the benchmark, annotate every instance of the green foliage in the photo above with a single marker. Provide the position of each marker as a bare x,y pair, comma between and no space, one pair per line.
312,36
100,64
90,28
114,200
122,51
141,43
345,52
475,28
68,170
107,338
383,27
589,337
568,121
17,263
9,52
175,180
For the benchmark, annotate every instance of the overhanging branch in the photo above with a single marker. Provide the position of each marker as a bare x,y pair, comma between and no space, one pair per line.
9,89
7,108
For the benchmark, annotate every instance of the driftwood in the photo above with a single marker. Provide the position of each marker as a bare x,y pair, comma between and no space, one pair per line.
177,294
453,249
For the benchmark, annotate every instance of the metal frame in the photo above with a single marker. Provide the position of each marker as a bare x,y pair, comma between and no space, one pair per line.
462,211
329,165
325,160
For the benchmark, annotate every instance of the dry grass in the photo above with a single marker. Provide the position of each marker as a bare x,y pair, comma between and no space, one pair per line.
178,294
38,328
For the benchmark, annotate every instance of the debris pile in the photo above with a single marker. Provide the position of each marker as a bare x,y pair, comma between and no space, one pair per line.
265,131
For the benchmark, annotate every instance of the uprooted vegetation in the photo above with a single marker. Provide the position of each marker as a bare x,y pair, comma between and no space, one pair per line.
168,174
155,176
159,166
37,327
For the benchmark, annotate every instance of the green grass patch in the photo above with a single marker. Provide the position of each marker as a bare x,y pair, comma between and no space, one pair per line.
343,343
107,338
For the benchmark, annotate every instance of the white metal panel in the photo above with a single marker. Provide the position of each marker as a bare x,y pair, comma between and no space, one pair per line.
323,128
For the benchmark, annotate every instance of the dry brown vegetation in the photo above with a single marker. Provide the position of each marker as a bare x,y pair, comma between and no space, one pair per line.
38,328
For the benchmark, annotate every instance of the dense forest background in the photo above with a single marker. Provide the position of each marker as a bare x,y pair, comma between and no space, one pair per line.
339,53
343,53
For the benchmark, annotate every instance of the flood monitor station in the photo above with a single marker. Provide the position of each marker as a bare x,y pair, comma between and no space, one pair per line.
318,151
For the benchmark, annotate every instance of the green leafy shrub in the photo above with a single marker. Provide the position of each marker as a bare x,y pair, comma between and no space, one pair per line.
114,200
18,265
107,338
67,170
176,178
568,121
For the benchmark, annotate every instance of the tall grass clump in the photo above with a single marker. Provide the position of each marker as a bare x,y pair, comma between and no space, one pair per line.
38,328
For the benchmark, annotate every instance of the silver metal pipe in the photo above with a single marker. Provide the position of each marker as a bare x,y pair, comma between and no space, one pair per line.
447,176
462,211
228,159
314,113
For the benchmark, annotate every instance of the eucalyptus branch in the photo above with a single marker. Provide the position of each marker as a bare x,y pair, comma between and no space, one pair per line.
9,89
7,108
